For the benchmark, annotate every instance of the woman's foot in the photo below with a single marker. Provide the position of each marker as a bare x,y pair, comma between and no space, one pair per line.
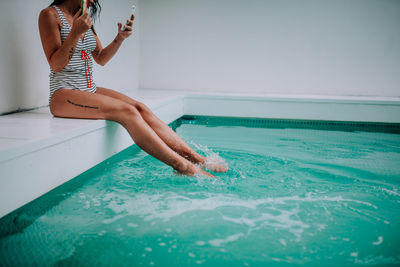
214,164
191,169
200,171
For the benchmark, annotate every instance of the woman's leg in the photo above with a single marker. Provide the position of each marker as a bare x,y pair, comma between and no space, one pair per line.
163,131
84,105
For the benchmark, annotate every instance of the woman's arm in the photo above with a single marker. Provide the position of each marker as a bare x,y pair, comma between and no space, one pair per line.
59,54
103,55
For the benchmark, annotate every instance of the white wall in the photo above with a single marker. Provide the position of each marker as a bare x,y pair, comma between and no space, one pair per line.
326,47
122,72
24,71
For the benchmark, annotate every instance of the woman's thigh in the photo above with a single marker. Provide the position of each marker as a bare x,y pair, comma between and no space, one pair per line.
69,103
118,95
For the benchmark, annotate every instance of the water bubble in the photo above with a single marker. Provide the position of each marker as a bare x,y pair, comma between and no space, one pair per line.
380,240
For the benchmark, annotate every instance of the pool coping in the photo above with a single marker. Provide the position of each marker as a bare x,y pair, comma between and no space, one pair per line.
33,166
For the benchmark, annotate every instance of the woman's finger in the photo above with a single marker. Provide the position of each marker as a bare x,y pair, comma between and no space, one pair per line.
86,14
128,28
89,21
77,14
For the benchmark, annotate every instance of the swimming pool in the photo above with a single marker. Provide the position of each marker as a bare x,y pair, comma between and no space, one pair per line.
297,192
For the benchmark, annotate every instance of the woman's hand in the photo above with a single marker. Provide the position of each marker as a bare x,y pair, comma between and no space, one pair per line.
102,56
81,24
128,28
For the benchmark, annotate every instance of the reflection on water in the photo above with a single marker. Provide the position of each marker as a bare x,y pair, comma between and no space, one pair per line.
291,196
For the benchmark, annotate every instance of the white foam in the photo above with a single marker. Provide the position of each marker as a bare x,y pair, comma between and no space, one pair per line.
379,260
168,205
219,242
391,192
113,219
102,233
96,202
241,220
380,240
87,205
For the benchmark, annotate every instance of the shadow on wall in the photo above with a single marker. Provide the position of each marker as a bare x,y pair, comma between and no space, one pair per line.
17,68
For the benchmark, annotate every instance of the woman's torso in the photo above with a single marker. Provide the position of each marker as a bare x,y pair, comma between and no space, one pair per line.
78,74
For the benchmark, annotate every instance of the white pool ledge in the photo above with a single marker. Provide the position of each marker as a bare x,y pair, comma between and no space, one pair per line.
39,152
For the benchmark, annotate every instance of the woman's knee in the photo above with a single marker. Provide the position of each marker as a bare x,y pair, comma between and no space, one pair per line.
123,112
143,109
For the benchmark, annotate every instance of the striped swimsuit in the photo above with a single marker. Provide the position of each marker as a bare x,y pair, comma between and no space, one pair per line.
78,74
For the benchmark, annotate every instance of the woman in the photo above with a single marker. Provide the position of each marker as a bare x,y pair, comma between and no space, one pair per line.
71,44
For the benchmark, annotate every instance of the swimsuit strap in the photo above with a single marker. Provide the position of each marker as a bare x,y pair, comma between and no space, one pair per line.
61,15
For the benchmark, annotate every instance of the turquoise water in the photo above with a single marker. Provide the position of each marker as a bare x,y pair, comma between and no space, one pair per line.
292,196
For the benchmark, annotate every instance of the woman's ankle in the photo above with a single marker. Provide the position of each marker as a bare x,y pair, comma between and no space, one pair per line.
182,166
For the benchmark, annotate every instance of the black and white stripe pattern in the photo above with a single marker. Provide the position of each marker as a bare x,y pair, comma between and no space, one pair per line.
73,76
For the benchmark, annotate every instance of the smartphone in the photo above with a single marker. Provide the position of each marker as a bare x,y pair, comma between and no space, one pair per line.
83,6
130,15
